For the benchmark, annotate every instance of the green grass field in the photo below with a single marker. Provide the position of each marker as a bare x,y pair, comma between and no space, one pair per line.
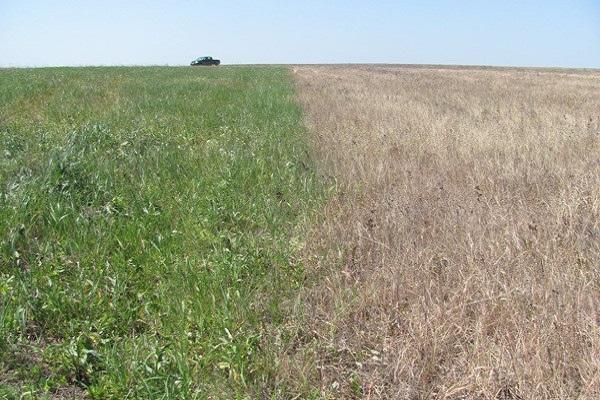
149,219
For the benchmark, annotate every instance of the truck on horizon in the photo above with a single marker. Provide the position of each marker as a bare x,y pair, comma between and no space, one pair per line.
203,61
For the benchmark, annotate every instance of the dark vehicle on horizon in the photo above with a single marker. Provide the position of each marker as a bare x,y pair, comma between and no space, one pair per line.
205,61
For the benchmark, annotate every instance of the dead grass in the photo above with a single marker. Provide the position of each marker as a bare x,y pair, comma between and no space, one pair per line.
463,247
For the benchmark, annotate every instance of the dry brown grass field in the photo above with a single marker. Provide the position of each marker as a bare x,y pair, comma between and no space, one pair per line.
460,255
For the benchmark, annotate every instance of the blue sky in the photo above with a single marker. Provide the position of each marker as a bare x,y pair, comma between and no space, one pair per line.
110,32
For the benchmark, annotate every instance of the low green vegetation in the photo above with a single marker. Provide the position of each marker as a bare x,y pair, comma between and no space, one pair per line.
148,223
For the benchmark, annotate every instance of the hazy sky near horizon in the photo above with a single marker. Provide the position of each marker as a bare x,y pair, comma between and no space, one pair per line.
109,32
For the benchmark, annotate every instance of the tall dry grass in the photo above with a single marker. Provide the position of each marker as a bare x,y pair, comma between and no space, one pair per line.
464,242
